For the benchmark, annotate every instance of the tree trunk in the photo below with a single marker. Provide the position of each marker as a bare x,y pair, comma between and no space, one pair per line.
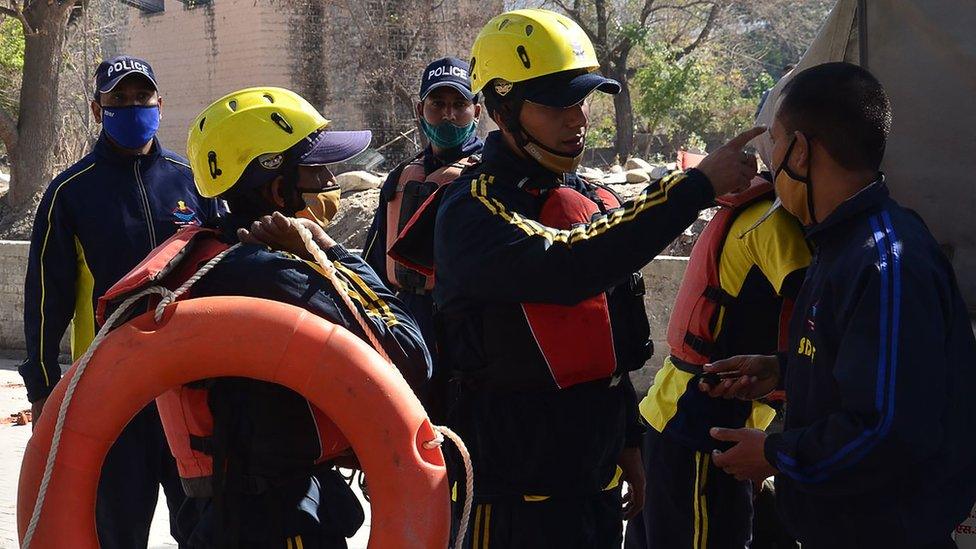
623,113
32,156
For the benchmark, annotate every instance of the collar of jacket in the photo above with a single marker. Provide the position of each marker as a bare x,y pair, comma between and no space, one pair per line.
507,167
432,162
228,224
106,151
852,208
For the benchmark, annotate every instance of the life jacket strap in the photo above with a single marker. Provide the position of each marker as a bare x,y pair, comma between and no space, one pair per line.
699,344
718,296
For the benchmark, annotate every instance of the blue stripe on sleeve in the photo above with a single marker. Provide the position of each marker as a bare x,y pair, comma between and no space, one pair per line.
889,267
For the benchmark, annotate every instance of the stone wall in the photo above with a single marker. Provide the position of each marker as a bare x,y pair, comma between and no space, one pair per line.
13,264
662,277
13,267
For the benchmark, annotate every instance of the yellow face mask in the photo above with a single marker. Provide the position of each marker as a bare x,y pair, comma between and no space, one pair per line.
321,207
795,191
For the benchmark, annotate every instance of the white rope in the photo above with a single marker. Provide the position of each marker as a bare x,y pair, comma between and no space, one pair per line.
68,394
173,296
330,273
440,431
438,441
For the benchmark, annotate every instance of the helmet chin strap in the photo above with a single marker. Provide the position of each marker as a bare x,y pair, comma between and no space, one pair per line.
548,158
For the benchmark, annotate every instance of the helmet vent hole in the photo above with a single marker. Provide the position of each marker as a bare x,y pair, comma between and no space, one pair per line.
232,104
474,61
202,120
528,30
269,97
563,23
504,23
523,56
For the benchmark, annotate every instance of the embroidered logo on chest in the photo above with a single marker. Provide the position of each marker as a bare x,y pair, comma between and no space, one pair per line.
185,215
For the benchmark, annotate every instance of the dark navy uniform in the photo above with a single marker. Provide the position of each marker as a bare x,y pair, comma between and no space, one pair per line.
419,303
96,221
545,460
298,508
877,450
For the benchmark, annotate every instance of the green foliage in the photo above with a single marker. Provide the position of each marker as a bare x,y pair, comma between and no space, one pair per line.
694,100
11,61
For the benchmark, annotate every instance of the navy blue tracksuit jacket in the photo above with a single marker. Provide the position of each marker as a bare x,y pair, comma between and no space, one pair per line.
878,448
96,221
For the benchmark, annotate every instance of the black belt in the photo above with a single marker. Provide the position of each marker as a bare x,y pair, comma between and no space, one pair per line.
686,367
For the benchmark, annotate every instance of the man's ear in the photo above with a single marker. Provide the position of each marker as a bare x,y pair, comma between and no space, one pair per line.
96,110
477,111
499,119
275,192
420,110
800,158
160,107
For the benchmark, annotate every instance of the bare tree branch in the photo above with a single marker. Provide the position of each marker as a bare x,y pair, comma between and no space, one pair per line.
703,35
18,13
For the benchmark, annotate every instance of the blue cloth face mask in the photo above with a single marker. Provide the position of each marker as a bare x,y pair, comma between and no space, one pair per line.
446,135
131,127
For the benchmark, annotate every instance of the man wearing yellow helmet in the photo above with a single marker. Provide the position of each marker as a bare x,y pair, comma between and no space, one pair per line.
540,295
265,151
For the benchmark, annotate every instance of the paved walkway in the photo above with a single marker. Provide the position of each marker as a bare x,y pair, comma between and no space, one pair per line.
13,439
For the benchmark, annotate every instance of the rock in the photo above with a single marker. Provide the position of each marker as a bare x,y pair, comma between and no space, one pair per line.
628,191
614,179
637,176
657,172
634,163
23,418
592,174
616,169
358,181
355,215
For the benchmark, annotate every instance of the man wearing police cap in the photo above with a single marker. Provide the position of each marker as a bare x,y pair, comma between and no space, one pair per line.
448,112
96,221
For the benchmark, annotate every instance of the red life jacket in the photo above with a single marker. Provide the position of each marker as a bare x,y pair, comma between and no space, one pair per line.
413,188
576,340
538,346
691,329
185,411
544,346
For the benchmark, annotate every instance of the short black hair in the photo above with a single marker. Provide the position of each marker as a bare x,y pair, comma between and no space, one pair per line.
844,107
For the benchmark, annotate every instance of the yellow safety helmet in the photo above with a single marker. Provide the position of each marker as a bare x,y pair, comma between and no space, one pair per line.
525,44
241,126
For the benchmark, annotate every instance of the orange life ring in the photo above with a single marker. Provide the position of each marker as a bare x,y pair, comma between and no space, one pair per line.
244,337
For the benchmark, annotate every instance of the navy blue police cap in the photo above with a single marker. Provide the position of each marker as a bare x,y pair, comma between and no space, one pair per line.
111,71
448,71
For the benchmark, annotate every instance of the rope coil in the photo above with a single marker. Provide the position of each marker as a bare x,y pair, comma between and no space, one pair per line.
169,297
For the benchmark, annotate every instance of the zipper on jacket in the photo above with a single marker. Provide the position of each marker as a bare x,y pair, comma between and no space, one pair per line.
145,203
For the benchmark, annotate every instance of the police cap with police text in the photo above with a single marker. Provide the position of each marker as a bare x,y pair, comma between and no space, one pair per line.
111,71
449,71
